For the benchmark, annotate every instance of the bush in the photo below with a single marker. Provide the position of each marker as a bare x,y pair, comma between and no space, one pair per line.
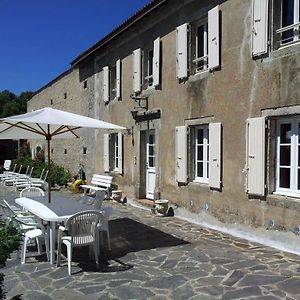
59,175
10,237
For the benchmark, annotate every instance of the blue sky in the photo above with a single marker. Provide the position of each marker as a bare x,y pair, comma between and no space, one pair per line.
39,38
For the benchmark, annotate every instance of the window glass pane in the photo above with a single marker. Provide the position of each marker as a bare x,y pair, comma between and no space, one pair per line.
207,170
287,12
285,133
298,180
299,133
285,155
284,178
151,150
200,136
151,138
298,156
200,41
151,161
200,153
199,169
287,18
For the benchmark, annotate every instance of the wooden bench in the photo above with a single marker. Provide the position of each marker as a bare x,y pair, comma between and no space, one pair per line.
98,182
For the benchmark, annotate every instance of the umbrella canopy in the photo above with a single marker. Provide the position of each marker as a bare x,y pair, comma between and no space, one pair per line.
49,123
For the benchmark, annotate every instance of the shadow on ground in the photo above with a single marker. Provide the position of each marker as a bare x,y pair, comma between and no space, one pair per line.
126,236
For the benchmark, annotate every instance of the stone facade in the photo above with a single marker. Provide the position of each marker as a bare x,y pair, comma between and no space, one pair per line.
241,87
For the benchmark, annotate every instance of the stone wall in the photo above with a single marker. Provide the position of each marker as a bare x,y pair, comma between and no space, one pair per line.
242,88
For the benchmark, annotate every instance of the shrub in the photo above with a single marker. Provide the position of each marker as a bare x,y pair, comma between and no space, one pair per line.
10,237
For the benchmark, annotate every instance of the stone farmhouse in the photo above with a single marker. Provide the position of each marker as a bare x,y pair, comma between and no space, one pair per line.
209,92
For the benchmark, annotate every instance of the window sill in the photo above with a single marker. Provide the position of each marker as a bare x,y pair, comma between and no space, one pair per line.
199,76
286,50
148,91
198,184
283,201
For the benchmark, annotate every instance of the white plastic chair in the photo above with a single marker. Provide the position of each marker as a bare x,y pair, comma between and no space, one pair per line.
34,231
31,192
80,229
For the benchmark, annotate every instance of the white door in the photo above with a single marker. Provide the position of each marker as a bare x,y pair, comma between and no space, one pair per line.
150,164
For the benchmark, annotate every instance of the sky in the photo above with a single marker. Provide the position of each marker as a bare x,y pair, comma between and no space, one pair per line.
39,38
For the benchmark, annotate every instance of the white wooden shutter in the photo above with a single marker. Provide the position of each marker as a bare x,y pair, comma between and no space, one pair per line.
106,152
260,27
182,51
118,79
256,156
156,62
213,38
215,155
181,154
120,158
106,84
137,70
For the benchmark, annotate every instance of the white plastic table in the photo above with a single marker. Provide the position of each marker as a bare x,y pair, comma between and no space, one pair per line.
59,210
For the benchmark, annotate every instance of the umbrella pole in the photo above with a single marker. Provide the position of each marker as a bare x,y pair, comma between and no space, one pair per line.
49,170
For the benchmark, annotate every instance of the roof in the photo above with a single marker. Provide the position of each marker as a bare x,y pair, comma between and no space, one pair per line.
118,30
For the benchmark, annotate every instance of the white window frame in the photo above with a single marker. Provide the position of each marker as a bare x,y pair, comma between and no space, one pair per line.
294,143
148,68
205,161
115,151
295,26
195,41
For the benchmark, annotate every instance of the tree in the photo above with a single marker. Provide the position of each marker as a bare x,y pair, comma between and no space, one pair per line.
10,104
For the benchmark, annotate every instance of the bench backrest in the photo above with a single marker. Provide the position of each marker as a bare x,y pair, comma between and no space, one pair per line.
102,180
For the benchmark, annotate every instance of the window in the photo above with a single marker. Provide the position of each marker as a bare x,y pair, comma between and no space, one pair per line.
112,82
200,142
114,145
112,79
204,51
199,44
113,152
200,145
288,157
146,67
286,20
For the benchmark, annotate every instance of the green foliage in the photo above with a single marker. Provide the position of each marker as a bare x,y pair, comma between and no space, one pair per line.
10,104
58,174
10,237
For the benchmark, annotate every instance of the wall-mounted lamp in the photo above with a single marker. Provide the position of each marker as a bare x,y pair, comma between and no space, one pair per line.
139,99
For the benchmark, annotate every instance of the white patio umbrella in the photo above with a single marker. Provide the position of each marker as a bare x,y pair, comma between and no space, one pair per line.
49,123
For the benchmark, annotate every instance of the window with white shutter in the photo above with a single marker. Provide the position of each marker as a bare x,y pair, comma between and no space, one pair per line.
182,51
181,154
120,153
113,152
137,70
105,84
213,38
215,162
260,27
256,156
118,79
205,42
106,152
156,63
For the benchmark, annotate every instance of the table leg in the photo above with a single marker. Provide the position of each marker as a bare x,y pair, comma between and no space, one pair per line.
52,239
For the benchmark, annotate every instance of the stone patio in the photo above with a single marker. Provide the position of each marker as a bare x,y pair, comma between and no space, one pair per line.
159,258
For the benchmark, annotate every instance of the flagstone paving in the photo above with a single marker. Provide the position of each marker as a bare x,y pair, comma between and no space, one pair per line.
159,258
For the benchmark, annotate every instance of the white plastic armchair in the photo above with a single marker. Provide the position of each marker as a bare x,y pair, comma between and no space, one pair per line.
34,230
81,229
31,192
